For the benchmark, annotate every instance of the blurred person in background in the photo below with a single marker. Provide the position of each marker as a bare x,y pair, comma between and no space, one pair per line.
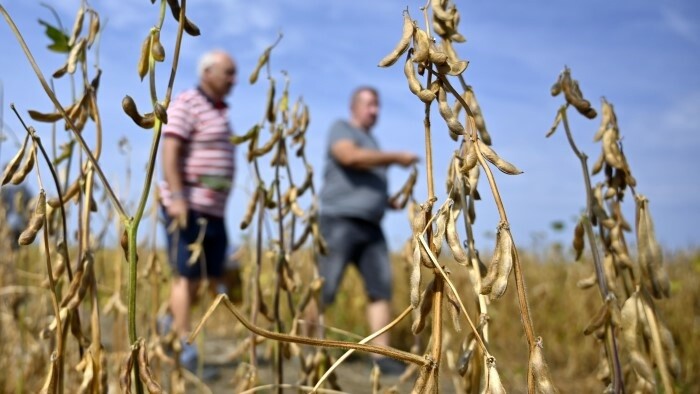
14,205
353,200
198,170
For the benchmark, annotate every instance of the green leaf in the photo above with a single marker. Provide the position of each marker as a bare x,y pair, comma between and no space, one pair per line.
59,38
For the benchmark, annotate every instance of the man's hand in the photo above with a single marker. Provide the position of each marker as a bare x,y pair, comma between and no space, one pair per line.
177,210
405,159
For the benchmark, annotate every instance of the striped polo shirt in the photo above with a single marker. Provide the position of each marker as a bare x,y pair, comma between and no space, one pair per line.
207,163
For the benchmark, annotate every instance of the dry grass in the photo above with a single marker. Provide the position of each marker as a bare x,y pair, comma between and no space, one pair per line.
562,312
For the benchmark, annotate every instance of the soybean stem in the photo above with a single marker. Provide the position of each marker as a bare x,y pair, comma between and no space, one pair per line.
384,351
610,339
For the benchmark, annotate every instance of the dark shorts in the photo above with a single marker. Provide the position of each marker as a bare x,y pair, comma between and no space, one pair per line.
214,246
359,242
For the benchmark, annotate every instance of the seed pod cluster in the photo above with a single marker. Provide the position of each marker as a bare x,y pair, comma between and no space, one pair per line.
573,94
446,20
496,280
649,251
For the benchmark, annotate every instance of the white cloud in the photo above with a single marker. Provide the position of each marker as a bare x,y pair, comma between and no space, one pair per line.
679,24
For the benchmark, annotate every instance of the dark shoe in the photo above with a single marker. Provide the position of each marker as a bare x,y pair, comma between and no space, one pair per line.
189,359
389,366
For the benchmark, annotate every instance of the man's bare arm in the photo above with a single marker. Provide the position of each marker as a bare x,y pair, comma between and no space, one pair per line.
348,154
172,151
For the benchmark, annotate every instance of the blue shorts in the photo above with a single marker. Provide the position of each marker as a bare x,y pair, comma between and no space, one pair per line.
359,242
214,246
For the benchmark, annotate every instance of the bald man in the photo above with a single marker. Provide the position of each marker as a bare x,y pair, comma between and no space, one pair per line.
198,169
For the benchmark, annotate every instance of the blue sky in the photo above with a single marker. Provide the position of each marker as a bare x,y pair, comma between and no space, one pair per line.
643,56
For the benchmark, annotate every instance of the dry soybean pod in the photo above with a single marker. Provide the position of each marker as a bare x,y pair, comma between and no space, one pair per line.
77,26
631,335
470,99
52,378
505,265
453,240
26,168
493,385
145,370
267,147
142,66
402,45
470,160
157,50
425,95
611,150
492,272
46,117
250,210
190,28
415,278
262,60
74,55
440,13
125,373
541,382
650,250
160,113
421,45
492,156
437,55
14,163
599,319
426,305
455,128
453,308
605,119
578,242
94,28
440,224
36,222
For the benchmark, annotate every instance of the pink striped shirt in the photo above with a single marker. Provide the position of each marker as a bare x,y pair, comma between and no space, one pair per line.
207,164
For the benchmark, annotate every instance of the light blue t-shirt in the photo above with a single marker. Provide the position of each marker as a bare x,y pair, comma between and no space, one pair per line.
348,192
